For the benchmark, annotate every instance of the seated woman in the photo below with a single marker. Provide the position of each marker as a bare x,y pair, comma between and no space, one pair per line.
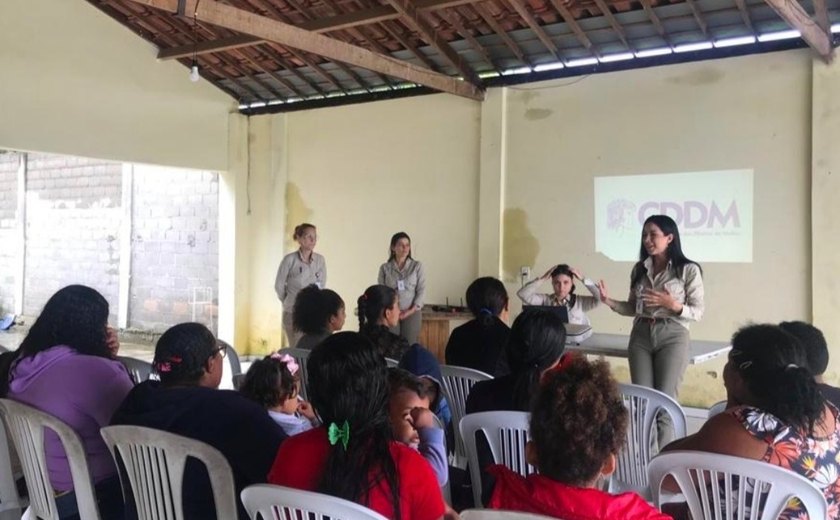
354,455
65,367
563,281
479,343
317,314
775,413
186,402
578,422
379,311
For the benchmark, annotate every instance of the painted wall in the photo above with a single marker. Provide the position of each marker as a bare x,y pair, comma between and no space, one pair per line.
95,89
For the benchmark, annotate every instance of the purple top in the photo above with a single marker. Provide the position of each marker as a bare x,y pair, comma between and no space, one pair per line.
83,391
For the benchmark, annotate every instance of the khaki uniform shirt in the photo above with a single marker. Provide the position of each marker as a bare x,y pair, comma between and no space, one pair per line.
577,312
294,274
410,282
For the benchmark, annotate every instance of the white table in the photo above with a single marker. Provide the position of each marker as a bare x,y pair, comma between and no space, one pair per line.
615,345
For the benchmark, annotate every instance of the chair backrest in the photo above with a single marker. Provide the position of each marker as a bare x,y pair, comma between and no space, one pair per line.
301,355
490,514
713,483
154,463
232,357
26,426
717,409
457,383
392,363
138,369
643,405
506,434
10,504
281,503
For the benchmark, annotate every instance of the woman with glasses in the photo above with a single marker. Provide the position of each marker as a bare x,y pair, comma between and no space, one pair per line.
186,401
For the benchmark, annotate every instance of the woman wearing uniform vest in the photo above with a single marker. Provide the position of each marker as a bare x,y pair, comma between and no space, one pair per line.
666,295
405,275
299,269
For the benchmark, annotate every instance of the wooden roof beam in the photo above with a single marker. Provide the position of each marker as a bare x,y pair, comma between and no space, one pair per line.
569,18
657,23
322,25
222,15
799,19
487,16
411,15
453,18
519,7
821,14
616,26
698,17
745,15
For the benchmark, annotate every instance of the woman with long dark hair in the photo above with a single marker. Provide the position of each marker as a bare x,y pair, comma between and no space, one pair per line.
299,269
405,275
317,314
666,295
775,414
65,367
479,344
379,313
354,455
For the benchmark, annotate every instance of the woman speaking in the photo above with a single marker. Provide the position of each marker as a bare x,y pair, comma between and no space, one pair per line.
666,294
406,276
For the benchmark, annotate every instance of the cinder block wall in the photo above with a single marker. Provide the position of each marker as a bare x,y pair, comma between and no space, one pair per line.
8,208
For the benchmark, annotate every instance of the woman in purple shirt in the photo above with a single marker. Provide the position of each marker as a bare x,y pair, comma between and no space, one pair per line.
65,367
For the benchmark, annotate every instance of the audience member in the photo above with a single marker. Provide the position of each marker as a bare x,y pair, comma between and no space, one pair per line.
578,423
317,314
816,350
379,311
353,455
274,383
563,295
186,401
479,343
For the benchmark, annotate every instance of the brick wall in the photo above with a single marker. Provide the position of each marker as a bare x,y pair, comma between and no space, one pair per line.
72,228
8,209
174,257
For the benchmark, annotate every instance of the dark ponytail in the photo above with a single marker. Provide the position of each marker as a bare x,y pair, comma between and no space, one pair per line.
486,299
372,304
774,366
537,341
349,383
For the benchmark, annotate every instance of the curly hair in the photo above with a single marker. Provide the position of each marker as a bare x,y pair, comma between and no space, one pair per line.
269,382
313,309
181,353
578,420
348,381
812,338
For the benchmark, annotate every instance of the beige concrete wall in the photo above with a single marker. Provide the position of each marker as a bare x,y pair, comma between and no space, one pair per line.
74,81
751,113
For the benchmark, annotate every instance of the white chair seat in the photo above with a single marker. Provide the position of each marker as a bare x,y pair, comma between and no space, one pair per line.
490,514
271,502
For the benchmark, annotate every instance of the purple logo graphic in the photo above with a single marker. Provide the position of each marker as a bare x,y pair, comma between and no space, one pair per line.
620,215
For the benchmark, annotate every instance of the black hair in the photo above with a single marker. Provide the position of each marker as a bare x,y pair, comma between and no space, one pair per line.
564,269
487,298
812,339
313,309
537,340
675,253
300,229
348,382
774,366
269,382
578,420
396,237
401,379
182,352
372,304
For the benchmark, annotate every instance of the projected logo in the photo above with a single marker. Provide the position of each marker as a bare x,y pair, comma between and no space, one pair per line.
712,209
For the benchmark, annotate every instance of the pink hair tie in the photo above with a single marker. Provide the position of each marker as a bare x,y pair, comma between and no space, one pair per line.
290,362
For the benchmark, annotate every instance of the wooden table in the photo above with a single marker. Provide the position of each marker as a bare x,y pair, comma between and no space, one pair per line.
436,328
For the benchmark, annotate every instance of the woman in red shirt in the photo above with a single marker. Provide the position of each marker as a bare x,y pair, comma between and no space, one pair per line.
353,455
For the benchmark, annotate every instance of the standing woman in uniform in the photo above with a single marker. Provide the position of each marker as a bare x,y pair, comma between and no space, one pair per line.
666,295
406,276
297,270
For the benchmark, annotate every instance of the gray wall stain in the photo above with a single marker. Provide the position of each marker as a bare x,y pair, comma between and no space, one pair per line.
703,76
535,114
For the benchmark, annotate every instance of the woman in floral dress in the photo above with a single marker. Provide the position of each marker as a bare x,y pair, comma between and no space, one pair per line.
775,414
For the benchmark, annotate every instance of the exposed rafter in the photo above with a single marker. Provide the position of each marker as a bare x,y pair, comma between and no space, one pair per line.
698,16
521,10
811,32
569,18
239,20
617,27
821,14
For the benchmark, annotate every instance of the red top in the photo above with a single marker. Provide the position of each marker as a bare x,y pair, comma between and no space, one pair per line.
300,462
541,495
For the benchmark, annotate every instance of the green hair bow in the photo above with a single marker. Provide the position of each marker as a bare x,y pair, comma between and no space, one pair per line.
338,434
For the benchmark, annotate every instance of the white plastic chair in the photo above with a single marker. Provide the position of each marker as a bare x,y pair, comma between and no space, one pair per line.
26,426
392,363
10,502
643,405
506,434
710,482
457,383
717,409
154,463
301,355
281,503
491,514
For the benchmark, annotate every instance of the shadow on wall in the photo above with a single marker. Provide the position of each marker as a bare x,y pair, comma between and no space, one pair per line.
297,212
519,247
